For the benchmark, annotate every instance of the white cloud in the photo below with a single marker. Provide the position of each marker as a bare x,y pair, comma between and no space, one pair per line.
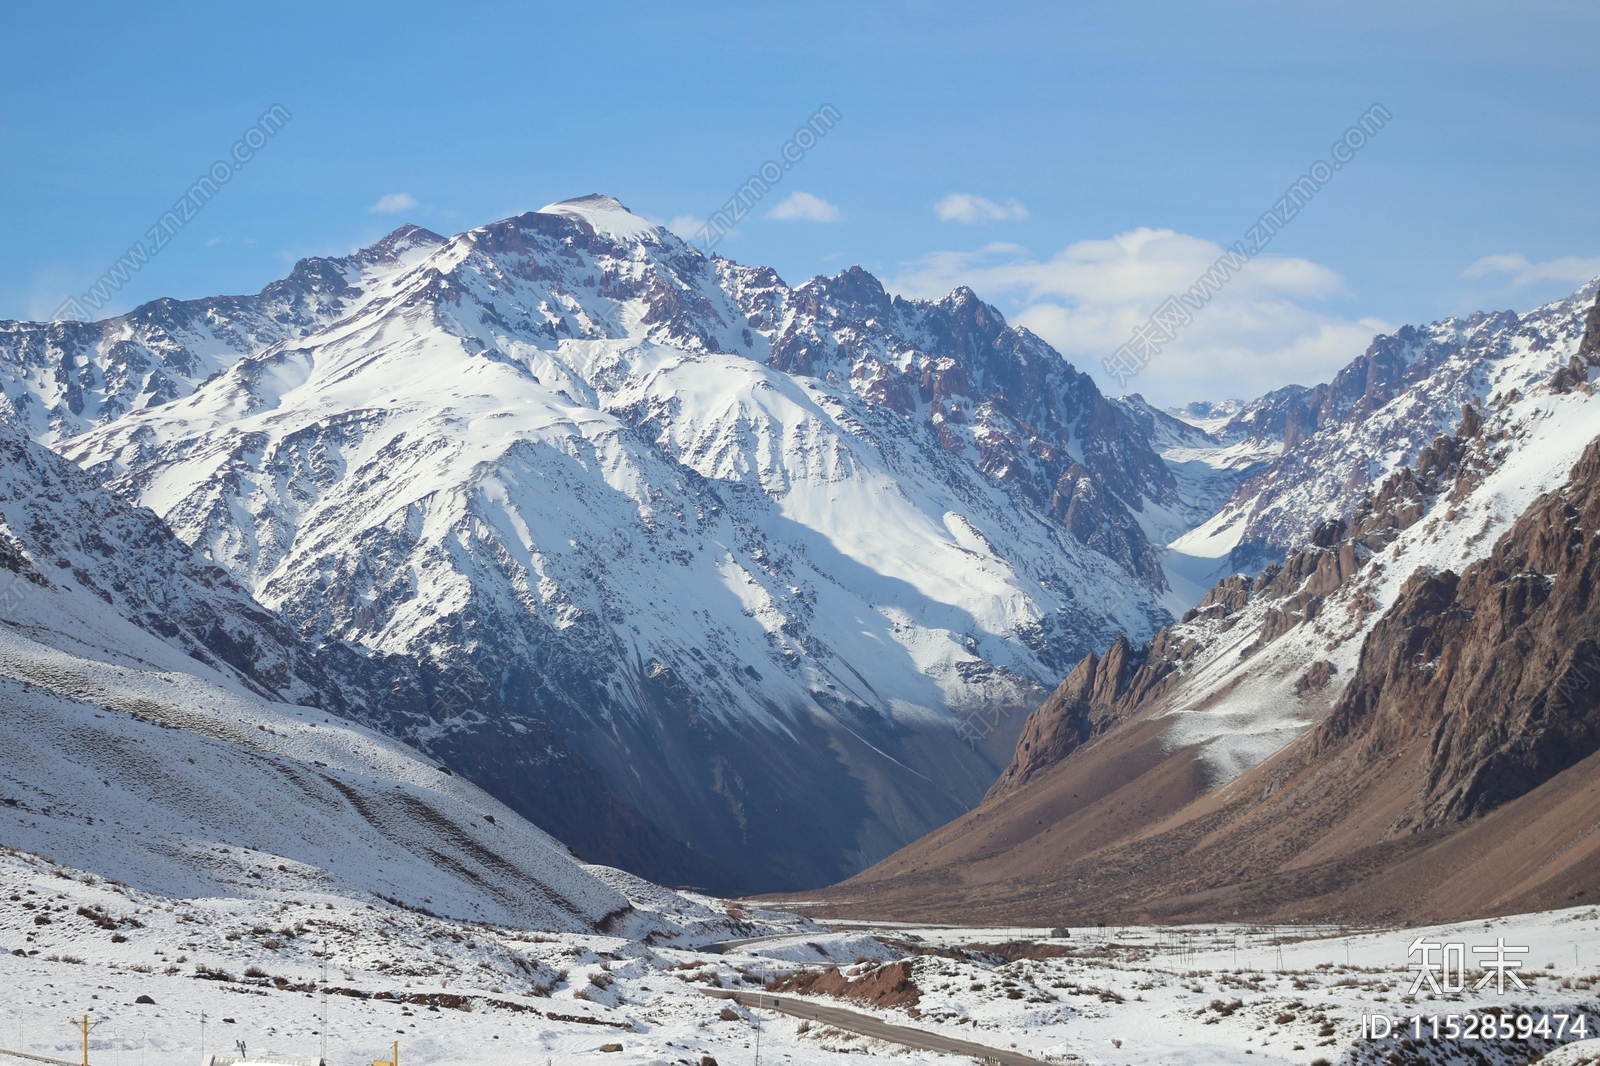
803,206
967,208
687,226
1517,272
394,203
1257,333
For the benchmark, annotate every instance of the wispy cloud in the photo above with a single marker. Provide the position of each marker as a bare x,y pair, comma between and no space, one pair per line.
687,226
1516,271
969,209
394,203
1259,333
802,206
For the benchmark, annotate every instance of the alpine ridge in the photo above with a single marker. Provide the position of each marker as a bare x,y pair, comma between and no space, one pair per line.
750,552
1354,730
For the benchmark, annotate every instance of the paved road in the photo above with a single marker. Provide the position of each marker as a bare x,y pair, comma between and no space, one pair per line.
722,947
867,1025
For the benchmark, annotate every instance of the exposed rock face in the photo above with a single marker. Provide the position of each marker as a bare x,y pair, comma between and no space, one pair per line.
1082,706
1316,677
1102,524
1496,669
1590,348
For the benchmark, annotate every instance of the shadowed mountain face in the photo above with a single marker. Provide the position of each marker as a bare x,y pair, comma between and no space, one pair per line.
1362,731
61,532
591,515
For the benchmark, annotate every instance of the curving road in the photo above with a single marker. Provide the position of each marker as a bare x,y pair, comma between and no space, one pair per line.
867,1025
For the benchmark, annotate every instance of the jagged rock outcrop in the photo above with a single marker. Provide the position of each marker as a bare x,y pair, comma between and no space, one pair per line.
1083,705
987,391
1589,349
1496,669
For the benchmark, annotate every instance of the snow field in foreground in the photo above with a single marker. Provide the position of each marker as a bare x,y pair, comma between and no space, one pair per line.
1197,995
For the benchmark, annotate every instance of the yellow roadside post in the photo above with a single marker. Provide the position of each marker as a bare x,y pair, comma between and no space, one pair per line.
84,1026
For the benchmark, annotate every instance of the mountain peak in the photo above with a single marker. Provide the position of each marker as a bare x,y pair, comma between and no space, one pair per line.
397,243
606,215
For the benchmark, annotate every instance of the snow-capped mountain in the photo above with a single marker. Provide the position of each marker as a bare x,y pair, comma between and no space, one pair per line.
65,377
1431,700
70,541
746,549
1235,687
1330,444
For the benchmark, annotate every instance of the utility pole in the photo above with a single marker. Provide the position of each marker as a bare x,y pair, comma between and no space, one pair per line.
763,970
83,1025
323,1029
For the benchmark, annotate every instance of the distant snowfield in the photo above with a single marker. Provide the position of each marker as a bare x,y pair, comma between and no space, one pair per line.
473,993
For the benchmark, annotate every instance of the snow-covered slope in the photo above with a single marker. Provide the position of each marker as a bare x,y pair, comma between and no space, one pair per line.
748,550
65,377
124,759
1240,694
1338,440
146,737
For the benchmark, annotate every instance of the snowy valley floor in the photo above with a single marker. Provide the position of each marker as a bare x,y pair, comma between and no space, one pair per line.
452,992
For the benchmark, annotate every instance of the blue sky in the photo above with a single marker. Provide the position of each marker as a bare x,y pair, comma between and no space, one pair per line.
1113,148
